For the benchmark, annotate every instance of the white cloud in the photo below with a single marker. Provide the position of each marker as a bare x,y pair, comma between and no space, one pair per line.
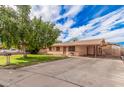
66,25
109,35
61,27
76,32
103,26
47,12
72,11
69,23
116,39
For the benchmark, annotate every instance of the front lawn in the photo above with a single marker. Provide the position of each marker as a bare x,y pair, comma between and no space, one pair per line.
19,61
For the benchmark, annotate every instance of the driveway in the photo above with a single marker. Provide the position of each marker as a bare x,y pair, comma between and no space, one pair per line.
72,72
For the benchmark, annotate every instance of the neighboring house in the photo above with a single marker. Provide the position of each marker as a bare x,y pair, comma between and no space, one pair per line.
78,48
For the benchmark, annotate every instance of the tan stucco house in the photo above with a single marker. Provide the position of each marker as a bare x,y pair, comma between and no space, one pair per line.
78,48
95,47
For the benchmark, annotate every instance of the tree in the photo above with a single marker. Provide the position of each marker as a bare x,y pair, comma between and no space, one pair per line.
58,41
18,30
43,35
8,26
24,27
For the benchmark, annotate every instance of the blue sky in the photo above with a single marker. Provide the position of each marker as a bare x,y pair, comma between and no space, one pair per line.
85,21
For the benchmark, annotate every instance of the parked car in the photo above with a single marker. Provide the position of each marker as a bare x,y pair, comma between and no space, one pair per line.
3,50
12,51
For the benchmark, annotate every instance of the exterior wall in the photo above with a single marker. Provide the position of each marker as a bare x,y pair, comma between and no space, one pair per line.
54,52
81,50
107,50
43,51
90,50
71,53
122,51
116,51
111,50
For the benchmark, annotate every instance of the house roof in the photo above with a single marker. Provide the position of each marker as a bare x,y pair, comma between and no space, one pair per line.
83,42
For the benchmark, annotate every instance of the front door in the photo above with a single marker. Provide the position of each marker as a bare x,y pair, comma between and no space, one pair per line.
64,50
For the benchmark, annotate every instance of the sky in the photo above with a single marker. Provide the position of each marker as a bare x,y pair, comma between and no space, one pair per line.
85,22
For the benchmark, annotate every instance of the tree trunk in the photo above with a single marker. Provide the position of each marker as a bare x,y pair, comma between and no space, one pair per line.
24,51
25,55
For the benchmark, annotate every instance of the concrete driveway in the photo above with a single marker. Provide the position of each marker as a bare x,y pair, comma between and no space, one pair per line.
72,72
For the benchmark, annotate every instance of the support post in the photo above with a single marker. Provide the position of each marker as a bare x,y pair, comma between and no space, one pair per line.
95,51
87,50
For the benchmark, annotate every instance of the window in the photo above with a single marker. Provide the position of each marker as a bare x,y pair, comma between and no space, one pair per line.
71,48
57,48
50,48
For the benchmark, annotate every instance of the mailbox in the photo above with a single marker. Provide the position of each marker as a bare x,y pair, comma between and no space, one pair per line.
7,57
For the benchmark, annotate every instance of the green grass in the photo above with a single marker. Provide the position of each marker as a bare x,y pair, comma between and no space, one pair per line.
19,61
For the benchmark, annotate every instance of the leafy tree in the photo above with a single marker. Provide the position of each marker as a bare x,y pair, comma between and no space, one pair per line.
18,30
43,35
8,26
58,41
24,27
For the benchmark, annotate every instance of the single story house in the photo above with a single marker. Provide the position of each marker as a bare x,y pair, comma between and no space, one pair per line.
95,47
78,48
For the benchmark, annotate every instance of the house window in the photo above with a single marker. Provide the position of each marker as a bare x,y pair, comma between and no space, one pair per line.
71,48
50,48
57,48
